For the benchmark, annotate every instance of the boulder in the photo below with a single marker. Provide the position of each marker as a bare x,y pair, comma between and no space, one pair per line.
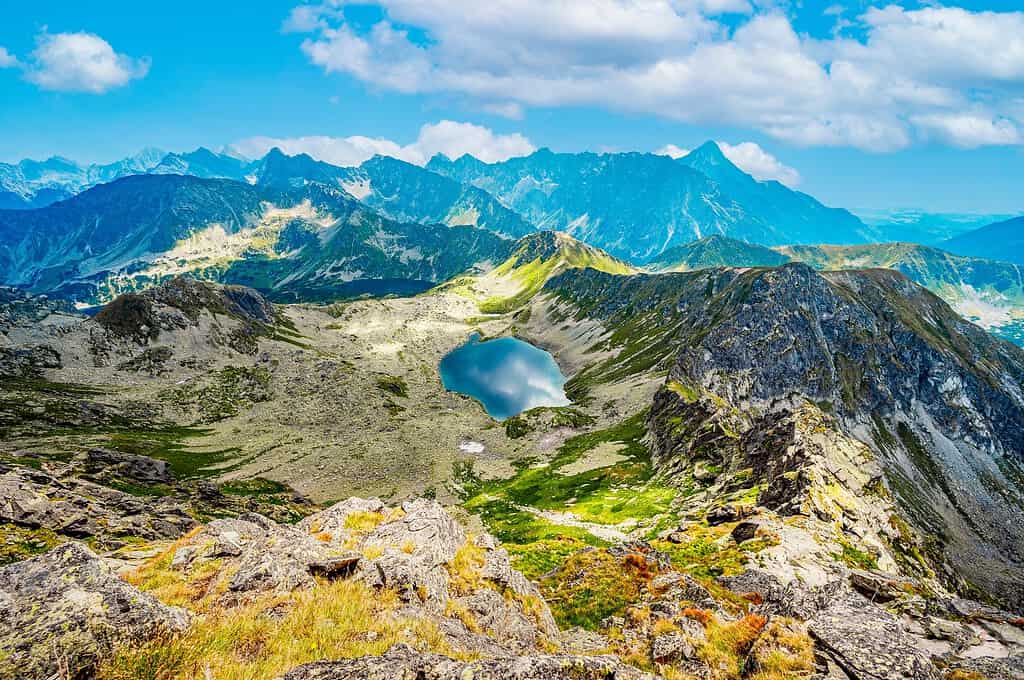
404,663
128,465
745,530
722,514
879,587
671,647
427,527
66,609
868,642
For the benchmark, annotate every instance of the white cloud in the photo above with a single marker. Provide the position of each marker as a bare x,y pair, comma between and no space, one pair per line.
81,62
511,110
7,60
673,151
969,131
675,58
456,139
448,137
753,159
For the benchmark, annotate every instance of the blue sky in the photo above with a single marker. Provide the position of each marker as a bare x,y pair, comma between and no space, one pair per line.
873,105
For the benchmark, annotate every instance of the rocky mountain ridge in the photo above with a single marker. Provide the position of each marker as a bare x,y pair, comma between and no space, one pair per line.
934,397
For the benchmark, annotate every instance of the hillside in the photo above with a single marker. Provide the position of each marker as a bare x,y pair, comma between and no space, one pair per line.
317,242
715,251
934,399
534,260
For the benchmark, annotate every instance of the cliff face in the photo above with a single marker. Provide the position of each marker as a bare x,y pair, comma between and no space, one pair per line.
938,401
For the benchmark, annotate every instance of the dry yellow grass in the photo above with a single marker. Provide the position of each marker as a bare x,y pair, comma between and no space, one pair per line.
464,569
273,633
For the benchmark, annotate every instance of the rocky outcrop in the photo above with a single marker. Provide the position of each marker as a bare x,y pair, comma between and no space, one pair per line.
404,663
868,643
79,508
411,550
27,361
936,402
65,610
229,316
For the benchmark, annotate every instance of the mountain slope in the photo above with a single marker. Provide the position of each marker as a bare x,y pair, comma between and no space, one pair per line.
533,261
715,251
636,205
312,240
201,163
937,402
112,225
1002,241
409,193
987,292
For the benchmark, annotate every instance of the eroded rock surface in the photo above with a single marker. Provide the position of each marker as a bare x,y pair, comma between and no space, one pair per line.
404,663
65,610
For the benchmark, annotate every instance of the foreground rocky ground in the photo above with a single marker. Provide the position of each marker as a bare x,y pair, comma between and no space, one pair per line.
366,590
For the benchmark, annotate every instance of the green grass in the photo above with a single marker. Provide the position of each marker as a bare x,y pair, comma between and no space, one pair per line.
856,558
613,494
256,486
20,543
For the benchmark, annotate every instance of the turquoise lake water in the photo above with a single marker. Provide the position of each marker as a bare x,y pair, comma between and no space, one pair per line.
508,376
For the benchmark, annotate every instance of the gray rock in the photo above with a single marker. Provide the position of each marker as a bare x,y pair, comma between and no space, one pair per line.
879,587
671,647
404,663
869,643
66,609
332,520
427,527
128,465
722,514
1008,668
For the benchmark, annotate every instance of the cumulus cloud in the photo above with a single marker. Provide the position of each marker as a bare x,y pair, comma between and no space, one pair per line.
7,60
672,151
753,159
969,131
447,137
883,90
81,62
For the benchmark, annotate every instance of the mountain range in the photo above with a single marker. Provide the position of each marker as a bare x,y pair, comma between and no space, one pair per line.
635,205
267,223
775,459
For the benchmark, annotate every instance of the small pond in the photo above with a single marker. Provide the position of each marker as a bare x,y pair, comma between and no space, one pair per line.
507,375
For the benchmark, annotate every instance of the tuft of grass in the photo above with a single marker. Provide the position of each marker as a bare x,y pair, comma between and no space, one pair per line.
727,644
855,557
464,569
783,651
363,522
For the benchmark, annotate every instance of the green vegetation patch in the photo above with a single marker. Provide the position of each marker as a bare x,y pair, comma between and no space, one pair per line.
393,384
20,543
593,585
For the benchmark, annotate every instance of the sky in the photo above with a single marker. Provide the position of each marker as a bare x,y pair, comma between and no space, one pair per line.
862,104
